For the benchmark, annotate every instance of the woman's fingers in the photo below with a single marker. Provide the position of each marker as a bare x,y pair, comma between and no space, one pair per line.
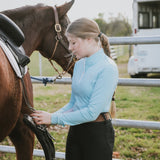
41,117
37,117
36,114
38,120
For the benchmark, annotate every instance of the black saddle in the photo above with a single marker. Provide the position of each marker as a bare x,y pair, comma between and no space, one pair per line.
12,35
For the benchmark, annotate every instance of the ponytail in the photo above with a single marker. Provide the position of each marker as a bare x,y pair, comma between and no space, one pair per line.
113,106
105,44
106,47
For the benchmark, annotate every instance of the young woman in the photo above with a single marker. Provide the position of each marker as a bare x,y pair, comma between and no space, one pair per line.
95,77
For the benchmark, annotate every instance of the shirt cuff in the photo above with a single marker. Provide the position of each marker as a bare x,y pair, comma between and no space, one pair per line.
54,118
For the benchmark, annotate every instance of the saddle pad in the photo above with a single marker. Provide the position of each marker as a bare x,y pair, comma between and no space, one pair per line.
19,72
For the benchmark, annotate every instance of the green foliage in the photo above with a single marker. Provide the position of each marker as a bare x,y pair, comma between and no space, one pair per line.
102,23
117,26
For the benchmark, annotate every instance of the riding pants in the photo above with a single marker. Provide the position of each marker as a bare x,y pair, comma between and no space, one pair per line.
90,141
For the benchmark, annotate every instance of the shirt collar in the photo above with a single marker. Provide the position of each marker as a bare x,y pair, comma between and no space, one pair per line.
94,58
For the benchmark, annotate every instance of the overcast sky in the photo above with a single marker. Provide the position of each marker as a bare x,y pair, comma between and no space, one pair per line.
81,8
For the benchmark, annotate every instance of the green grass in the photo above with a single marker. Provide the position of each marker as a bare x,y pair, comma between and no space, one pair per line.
137,103
47,69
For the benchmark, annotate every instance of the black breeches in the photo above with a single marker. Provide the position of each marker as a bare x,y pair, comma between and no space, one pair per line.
90,141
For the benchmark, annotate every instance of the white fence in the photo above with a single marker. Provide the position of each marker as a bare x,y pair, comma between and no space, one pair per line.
134,40
36,152
121,81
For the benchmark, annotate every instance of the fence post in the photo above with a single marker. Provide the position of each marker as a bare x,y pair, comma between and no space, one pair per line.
40,64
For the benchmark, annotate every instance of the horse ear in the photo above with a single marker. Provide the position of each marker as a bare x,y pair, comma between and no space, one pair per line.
63,9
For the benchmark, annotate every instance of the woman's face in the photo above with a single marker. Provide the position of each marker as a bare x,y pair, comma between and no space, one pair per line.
78,46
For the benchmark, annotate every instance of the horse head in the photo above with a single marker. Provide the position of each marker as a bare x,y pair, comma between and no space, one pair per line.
59,53
38,25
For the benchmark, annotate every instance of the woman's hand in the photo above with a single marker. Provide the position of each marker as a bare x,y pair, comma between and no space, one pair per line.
41,117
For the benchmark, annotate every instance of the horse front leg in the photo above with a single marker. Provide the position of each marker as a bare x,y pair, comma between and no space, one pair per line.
23,139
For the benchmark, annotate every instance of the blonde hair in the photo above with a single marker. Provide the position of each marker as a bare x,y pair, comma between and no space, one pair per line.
86,28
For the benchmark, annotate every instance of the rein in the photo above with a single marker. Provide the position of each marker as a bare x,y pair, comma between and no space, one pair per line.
59,38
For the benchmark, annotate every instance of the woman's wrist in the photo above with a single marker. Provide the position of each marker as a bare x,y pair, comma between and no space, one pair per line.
54,118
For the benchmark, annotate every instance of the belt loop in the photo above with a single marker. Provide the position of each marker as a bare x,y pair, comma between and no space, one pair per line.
110,116
103,115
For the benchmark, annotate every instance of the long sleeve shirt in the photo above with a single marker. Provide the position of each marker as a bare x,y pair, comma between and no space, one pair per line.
94,81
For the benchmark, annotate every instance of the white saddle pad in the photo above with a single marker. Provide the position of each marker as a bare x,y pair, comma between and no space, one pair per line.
12,60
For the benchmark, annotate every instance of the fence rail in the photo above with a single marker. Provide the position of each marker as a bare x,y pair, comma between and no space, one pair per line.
36,152
121,81
136,124
134,40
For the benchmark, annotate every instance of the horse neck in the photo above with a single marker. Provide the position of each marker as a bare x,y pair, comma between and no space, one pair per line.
34,22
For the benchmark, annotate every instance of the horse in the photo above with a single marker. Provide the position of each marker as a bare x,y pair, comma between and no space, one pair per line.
38,25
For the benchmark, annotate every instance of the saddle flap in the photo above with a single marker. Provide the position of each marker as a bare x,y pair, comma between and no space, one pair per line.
22,60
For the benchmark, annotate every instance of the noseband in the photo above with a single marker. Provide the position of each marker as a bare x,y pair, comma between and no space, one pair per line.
59,38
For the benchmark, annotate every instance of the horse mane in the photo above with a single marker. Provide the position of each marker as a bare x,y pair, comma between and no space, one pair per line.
21,10
22,13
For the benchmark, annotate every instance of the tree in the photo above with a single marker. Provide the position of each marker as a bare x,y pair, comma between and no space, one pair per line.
117,26
102,23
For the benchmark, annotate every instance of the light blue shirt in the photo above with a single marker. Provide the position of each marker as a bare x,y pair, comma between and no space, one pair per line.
94,81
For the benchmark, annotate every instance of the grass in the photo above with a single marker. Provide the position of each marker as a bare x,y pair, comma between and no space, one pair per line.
137,103
47,69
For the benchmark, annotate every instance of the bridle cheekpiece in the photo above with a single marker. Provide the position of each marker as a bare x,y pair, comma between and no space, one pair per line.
59,38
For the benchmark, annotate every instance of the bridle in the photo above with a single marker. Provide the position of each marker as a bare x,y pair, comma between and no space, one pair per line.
59,38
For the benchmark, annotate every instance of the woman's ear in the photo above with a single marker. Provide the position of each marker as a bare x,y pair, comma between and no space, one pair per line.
91,40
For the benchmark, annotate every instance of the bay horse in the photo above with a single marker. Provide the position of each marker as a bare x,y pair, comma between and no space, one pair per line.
37,23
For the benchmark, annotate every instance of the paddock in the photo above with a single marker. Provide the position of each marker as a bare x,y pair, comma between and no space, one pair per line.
122,82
